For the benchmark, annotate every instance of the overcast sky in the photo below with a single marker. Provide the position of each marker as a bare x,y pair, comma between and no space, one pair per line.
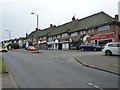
17,17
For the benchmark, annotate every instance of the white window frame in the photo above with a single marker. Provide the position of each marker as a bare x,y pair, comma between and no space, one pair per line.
44,37
74,34
58,36
102,28
81,32
64,34
50,38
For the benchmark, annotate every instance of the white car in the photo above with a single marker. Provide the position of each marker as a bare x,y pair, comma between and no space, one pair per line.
112,48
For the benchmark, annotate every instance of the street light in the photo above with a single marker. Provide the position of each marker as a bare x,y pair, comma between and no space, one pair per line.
37,29
37,19
9,33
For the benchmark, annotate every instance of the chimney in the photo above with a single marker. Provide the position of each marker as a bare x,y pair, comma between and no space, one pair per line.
51,25
54,26
73,19
37,29
116,18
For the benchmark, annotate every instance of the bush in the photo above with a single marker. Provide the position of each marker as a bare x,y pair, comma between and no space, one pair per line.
14,45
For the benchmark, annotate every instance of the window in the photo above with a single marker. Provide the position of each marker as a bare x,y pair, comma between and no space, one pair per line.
81,32
84,32
44,37
54,37
88,31
58,36
74,34
112,45
50,38
64,35
102,28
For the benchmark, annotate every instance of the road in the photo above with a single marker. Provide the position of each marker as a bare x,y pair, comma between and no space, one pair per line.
43,71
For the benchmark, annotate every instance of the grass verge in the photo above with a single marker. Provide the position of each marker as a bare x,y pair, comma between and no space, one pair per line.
2,66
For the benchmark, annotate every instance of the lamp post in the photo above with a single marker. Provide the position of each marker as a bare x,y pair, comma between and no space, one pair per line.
9,33
37,29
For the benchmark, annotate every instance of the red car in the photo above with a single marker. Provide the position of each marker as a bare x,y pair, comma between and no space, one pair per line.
31,48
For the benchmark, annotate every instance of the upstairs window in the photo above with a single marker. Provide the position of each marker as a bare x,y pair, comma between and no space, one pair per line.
54,37
58,36
81,32
64,35
102,28
50,38
44,37
74,34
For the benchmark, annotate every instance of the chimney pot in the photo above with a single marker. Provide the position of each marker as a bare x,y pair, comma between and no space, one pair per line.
73,19
116,17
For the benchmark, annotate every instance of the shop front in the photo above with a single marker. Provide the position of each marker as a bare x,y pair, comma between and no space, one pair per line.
63,44
75,43
50,45
43,45
101,39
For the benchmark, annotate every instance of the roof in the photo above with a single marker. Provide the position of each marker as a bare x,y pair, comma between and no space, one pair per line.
92,21
62,28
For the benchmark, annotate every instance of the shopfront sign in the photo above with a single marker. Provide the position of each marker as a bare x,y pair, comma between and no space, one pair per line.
100,36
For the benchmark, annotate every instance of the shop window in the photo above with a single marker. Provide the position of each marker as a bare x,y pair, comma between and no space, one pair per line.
74,34
102,28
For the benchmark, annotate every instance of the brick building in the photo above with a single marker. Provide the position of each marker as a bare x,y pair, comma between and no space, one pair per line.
98,28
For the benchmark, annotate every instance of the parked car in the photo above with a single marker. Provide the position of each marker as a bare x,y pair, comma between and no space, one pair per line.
3,49
112,48
31,48
89,46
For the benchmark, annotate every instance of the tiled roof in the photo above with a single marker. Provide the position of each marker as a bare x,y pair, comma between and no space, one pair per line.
62,28
75,25
92,21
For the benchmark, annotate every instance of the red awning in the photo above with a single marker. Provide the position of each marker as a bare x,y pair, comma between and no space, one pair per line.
100,36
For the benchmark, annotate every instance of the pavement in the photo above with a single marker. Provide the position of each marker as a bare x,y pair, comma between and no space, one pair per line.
101,62
6,80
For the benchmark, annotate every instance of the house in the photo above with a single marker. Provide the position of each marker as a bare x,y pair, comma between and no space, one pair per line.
98,29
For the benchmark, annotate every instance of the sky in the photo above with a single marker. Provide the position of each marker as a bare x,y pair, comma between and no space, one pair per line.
16,15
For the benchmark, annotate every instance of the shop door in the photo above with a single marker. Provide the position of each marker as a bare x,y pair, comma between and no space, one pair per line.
60,46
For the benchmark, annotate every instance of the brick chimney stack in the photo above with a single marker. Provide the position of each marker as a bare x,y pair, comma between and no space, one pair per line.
51,25
116,18
73,19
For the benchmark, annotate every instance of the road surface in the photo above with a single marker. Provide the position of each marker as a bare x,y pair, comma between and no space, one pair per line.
41,71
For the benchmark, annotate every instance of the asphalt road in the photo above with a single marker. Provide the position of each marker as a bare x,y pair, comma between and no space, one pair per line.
42,71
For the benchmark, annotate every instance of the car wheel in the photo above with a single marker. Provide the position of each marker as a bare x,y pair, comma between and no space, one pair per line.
108,53
82,49
95,49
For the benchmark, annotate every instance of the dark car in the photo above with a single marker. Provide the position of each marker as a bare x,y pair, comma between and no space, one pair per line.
89,46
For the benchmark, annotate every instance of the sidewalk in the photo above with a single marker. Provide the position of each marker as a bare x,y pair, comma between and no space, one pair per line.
6,80
101,62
